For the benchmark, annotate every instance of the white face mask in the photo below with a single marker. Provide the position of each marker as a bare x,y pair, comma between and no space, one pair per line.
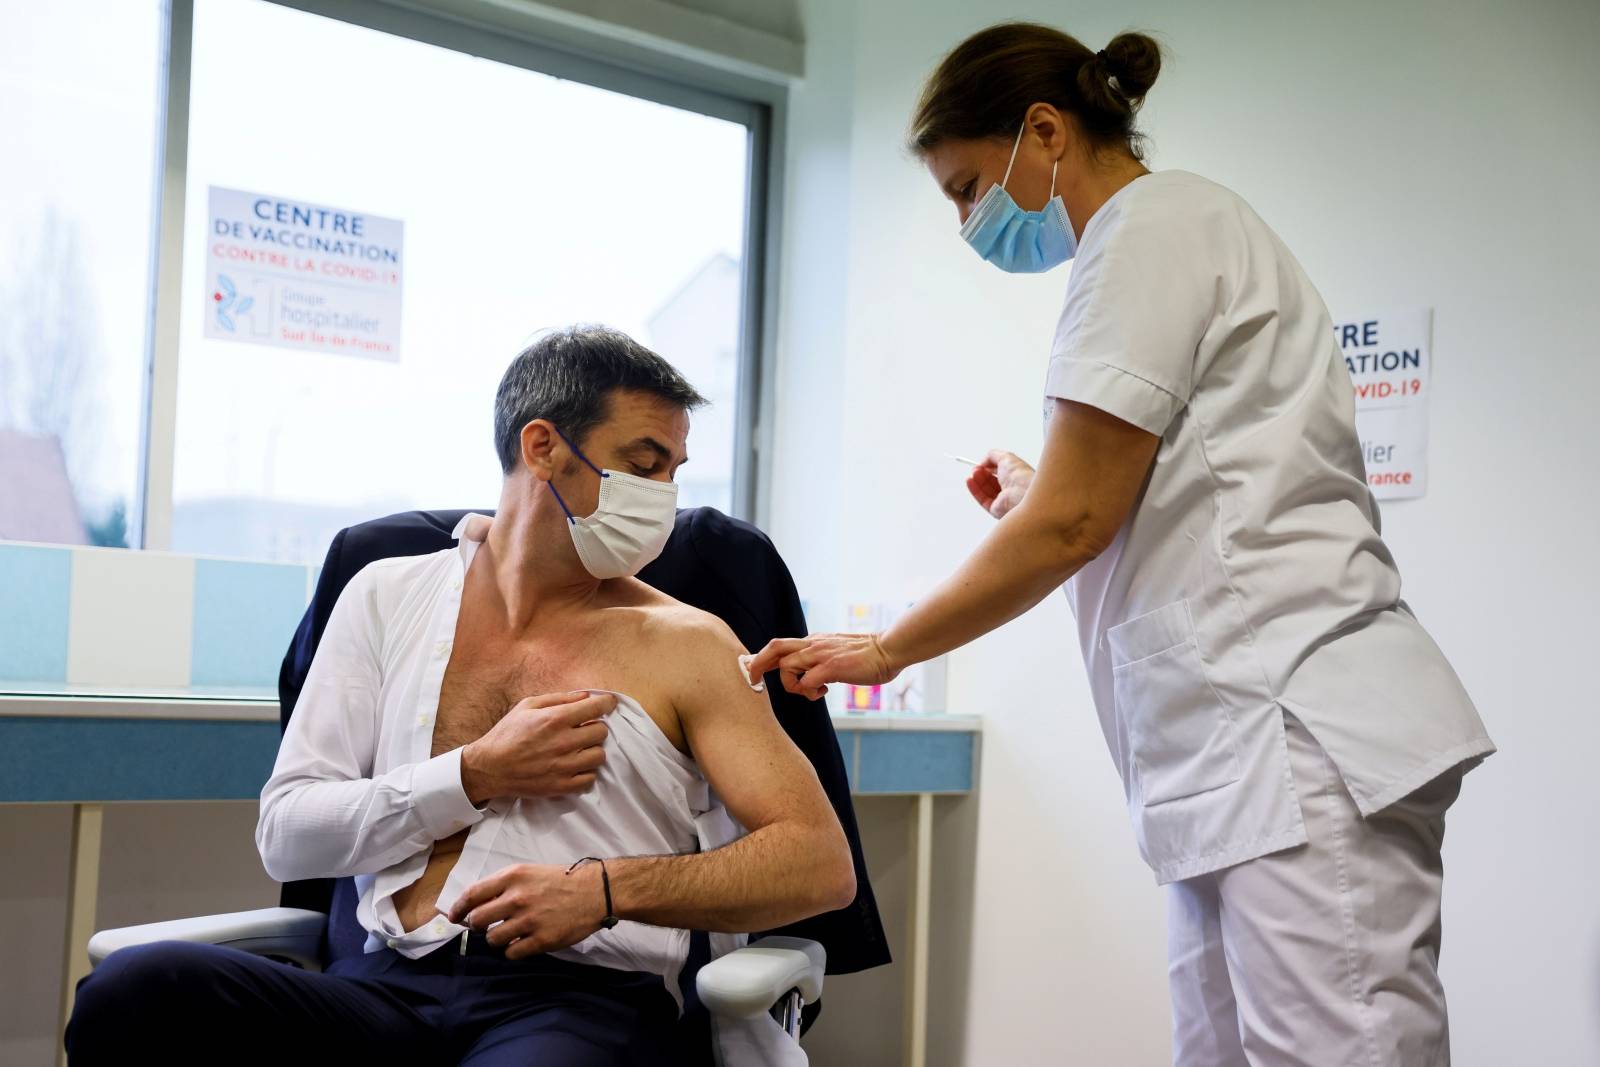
630,524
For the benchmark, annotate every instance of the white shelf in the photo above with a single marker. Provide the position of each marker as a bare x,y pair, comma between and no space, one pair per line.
246,705
261,705
907,720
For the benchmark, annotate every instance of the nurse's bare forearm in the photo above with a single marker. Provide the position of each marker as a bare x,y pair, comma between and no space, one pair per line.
1089,476
1017,565
773,876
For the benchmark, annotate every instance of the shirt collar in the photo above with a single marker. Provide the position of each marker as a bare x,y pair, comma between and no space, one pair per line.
460,532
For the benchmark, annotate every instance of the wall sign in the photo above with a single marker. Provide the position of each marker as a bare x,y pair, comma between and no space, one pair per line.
298,275
1389,356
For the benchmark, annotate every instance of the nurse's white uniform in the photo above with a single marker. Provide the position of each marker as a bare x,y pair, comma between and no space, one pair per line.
1266,694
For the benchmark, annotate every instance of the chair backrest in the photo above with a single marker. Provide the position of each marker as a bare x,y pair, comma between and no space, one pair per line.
713,562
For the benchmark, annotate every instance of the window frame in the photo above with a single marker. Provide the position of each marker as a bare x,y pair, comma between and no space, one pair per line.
520,39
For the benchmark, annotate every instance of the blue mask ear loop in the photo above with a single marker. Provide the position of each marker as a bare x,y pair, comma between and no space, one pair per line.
1013,162
580,455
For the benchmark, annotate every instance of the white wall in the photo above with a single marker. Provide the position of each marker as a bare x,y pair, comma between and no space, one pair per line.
1435,154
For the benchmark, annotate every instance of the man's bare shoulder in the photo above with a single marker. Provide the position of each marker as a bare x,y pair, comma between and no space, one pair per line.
695,631
684,640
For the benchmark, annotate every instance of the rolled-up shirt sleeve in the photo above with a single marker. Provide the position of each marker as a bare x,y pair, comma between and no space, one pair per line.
1138,305
324,814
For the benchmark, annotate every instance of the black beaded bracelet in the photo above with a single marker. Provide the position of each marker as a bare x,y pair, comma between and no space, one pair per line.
605,880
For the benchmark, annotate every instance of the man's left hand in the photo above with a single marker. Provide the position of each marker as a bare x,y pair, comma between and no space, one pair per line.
534,908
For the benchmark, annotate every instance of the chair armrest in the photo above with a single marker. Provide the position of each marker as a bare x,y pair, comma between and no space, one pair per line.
749,981
292,933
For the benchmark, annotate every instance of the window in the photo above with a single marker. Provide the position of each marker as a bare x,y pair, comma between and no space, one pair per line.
523,201
79,118
134,400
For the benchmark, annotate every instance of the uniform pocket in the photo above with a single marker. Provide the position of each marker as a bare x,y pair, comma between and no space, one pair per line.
1181,737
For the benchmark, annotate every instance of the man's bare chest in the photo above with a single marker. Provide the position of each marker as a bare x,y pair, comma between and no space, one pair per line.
488,674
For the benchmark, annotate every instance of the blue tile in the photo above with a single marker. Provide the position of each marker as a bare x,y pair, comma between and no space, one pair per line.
35,594
912,761
81,759
244,616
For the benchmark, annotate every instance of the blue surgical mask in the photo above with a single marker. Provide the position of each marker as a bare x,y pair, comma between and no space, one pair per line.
1018,241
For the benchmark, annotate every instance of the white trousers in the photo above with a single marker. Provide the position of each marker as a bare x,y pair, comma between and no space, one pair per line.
1323,955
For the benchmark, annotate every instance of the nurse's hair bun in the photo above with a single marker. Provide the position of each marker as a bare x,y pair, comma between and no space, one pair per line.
985,86
1116,78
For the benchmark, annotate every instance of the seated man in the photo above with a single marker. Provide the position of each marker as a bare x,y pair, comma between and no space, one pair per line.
517,749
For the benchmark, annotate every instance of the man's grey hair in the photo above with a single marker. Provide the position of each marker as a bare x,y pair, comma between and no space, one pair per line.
567,376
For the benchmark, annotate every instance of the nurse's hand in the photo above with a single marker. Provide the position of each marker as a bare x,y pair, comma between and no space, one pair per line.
807,664
999,482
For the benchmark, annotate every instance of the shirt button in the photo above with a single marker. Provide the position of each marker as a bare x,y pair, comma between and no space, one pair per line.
392,942
424,719
442,649
455,586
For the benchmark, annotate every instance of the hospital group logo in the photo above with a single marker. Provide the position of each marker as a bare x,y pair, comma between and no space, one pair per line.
227,303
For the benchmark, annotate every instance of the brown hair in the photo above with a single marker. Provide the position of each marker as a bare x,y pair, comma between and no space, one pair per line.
985,86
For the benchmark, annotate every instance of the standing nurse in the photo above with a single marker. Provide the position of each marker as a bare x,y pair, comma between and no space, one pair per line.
1288,735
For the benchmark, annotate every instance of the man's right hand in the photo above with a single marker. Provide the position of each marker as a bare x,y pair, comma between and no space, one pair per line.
544,746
